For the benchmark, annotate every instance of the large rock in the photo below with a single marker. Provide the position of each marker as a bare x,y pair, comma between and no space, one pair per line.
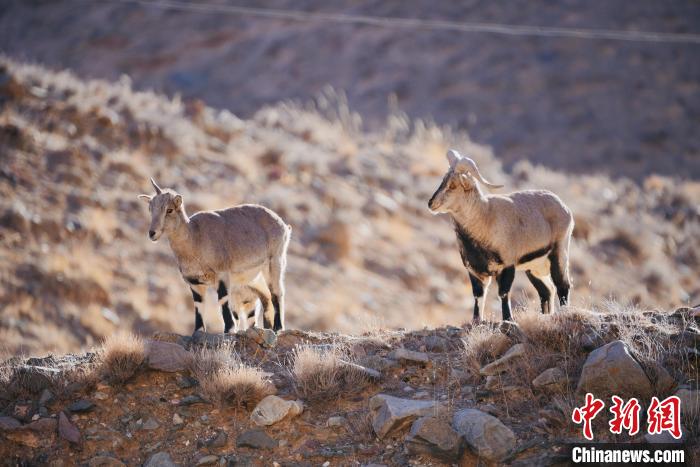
500,365
550,378
160,459
409,355
67,430
391,413
484,434
165,356
272,409
690,402
434,436
611,369
256,439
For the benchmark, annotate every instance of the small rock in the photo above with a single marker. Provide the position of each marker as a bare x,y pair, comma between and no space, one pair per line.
100,396
67,430
46,397
336,421
9,423
493,382
665,438
82,405
379,363
191,400
484,434
177,419
46,425
160,459
105,461
500,365
390,413
421,394
151,424
218,440
272,409
512,330
186,382
690,402
256,439
611,369
435,343
166,356
208,460
269,337
550,378
434,436
409,355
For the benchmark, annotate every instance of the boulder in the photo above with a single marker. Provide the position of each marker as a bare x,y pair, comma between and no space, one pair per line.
272,409
484,434
160,459
166,356
409,355
500,365
435,437
67,430
391,413
9,423
256,439
612,370
690,402
550,378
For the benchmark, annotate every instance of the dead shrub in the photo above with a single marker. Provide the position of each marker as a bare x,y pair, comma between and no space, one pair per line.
121,355
483,344
323,372
223,377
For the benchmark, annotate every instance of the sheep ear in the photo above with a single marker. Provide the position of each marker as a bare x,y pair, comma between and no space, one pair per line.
146,198
177,201
453,157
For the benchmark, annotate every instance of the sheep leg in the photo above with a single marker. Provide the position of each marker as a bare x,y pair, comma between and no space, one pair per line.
276,286
479,289
226,312
505,281
559,269
198,292
542,290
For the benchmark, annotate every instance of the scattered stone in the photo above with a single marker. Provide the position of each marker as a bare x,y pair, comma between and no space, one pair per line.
256,439
500,365
390,413
67,430
166,356
105,461
409,355
690,402
434,436
208,460
421,394
45,425
191,400
160,459
484,434
186,382
82,405
151,424
370,372
25,437
100,396
272,409
336,422
435,343
9,423
512,330
611,369
550,378
379,363
46,397
177,419
218,440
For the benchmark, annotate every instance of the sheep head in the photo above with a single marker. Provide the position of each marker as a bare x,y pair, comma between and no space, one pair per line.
165,207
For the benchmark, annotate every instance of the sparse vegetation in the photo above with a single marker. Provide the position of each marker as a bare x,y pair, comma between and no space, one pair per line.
121,355
324,372
482,343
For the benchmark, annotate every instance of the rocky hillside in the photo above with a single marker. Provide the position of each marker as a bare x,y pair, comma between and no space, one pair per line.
585,106
366,254
446,396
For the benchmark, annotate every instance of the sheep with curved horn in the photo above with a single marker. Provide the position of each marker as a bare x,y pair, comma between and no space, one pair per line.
526,230
244,245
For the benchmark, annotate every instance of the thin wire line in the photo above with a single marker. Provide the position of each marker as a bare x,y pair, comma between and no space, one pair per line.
397,22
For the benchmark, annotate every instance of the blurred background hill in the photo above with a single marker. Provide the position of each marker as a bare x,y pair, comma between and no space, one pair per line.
229,109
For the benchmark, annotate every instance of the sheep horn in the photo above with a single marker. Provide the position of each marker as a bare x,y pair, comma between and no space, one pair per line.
453,157
471,167
155,185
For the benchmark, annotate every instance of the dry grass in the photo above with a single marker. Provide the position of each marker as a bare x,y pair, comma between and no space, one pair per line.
482,344
324,372
223,377
121,355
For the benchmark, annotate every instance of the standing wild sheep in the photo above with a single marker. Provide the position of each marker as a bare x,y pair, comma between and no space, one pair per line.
497,234
244,245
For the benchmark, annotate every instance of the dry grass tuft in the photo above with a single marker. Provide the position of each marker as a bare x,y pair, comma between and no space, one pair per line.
324,372
122,354
223,377
483,344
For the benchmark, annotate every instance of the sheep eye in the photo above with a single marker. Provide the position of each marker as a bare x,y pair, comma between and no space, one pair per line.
169,211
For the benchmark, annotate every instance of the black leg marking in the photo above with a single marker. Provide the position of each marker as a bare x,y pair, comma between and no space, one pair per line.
198,321
221,292
278,318
534,254
558,277
542,291
197,298
478,291
505,281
